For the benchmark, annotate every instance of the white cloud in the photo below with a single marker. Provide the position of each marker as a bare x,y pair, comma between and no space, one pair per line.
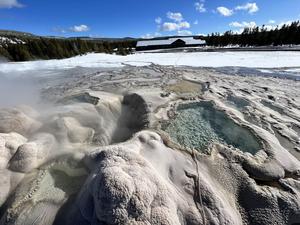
249,7
184,32
200,7
224,11
177,23
158,20
289,22
196,22
270,27
149,36
177,17
59,30
272,21
184,25
79,28
243,24
169,26
10,4
235,24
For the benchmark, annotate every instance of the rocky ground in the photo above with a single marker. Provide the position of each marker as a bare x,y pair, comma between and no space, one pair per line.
100,148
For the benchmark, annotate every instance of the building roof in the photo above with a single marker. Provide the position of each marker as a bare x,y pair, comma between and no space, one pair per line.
169,41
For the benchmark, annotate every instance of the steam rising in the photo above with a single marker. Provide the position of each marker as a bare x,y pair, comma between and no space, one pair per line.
53,138
16,91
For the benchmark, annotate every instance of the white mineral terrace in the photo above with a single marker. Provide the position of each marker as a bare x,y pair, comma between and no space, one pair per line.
150,143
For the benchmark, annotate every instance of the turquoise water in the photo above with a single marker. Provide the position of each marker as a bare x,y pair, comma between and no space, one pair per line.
198,125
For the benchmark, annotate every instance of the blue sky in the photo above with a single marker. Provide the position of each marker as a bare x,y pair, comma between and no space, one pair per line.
142,18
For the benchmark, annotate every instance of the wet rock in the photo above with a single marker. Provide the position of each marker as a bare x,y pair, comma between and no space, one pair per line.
139,110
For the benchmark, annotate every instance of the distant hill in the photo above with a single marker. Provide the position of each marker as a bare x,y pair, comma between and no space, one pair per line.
23,46
87,38
15,33
27,35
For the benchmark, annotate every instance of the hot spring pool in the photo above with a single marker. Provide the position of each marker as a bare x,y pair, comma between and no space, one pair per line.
198,125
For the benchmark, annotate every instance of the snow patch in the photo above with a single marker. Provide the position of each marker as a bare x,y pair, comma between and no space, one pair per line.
4,41
277,59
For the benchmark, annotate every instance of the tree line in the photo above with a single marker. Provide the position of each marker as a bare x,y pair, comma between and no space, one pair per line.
285,35
34,48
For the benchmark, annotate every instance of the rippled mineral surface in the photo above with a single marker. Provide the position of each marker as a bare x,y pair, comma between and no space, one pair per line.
151,145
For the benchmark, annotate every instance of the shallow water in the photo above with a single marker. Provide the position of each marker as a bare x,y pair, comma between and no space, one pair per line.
198,125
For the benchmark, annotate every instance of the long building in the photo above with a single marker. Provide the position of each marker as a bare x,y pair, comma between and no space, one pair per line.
169,43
